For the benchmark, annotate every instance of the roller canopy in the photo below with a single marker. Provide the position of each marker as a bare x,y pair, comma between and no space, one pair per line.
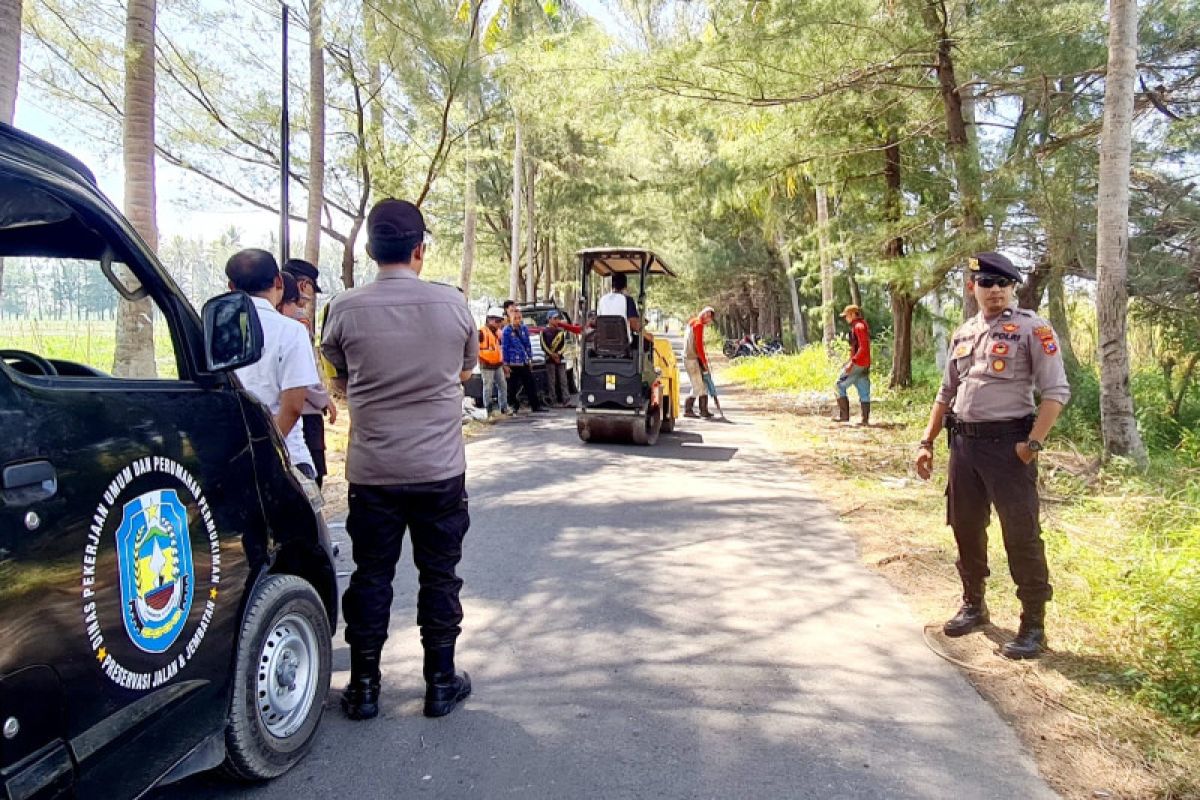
606,261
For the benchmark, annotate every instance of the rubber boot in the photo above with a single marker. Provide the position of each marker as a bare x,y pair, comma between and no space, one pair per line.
866,413
971,616
444,688
360,700
704,412
689,408
843,413
1031,637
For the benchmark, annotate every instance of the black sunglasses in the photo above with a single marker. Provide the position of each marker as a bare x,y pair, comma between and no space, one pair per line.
988,282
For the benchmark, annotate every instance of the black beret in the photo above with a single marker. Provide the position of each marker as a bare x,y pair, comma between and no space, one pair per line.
992,264
299,268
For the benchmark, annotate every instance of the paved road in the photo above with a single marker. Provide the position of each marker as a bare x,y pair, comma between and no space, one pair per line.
685,621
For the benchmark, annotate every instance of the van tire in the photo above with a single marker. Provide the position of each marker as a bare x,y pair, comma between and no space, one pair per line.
285,636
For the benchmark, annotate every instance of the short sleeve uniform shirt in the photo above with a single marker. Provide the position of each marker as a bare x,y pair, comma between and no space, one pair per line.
401,343
997,364
287,363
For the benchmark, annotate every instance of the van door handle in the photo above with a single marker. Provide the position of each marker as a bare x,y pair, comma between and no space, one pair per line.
29,482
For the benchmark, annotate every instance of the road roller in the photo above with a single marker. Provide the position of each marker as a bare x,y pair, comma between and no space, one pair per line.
629,379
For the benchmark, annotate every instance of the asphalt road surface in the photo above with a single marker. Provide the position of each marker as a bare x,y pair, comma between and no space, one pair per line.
684,621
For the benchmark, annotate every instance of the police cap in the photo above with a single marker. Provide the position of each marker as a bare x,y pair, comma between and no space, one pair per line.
992,264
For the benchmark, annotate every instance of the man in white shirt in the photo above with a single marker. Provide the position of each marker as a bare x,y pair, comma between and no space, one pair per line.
617,303
280,379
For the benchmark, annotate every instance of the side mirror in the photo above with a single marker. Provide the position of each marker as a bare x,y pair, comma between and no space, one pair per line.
233,335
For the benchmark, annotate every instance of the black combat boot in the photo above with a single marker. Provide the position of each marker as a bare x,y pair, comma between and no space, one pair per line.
360,700
972,615
444,688
843,412
1031,637
866,413
704,412
689,408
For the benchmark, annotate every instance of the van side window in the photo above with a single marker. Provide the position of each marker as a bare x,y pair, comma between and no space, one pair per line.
65,311
63,284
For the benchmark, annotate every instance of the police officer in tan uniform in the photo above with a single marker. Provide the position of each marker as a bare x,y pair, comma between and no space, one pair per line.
401,347
998,358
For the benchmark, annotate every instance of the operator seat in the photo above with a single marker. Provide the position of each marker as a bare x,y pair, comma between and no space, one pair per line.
611,337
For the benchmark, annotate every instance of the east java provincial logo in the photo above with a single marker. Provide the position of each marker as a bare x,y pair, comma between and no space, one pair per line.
154,553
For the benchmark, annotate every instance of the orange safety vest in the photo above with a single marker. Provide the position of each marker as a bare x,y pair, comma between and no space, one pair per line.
489,348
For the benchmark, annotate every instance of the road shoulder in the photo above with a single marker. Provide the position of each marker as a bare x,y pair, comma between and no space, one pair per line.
1088,743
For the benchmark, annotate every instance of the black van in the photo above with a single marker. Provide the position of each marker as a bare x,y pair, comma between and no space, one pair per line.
167,590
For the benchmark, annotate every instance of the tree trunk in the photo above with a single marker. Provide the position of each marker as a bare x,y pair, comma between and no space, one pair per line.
10,57
963,155
1057,312
1117,422
348,252
785,256
901,300
940,333
851,279
10,71
1029,294
134,355
514,264
316,131
829,333
902,316
470,213
531,237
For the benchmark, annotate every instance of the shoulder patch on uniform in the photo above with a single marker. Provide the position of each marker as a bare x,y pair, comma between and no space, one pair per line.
962,349
1043,330
1049,347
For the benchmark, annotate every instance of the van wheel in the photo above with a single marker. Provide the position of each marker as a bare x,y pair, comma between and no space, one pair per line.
284,661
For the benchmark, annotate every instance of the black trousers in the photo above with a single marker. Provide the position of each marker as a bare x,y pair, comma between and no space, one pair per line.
314,440
435,515
522,378
986,473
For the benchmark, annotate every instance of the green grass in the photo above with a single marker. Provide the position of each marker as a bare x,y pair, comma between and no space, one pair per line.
89,342
1123,546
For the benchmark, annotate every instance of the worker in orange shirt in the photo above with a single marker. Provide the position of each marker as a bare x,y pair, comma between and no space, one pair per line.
491,361
695,361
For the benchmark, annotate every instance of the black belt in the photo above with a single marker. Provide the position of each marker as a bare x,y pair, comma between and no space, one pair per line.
987,430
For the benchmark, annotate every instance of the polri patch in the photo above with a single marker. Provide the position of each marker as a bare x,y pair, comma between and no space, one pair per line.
1010,327
1000,349
999,365
1049,347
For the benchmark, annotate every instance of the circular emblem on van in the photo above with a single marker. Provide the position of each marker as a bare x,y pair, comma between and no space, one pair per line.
151,574
154,553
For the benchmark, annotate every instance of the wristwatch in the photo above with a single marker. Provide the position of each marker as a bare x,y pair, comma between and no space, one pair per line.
925,443
1034,446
